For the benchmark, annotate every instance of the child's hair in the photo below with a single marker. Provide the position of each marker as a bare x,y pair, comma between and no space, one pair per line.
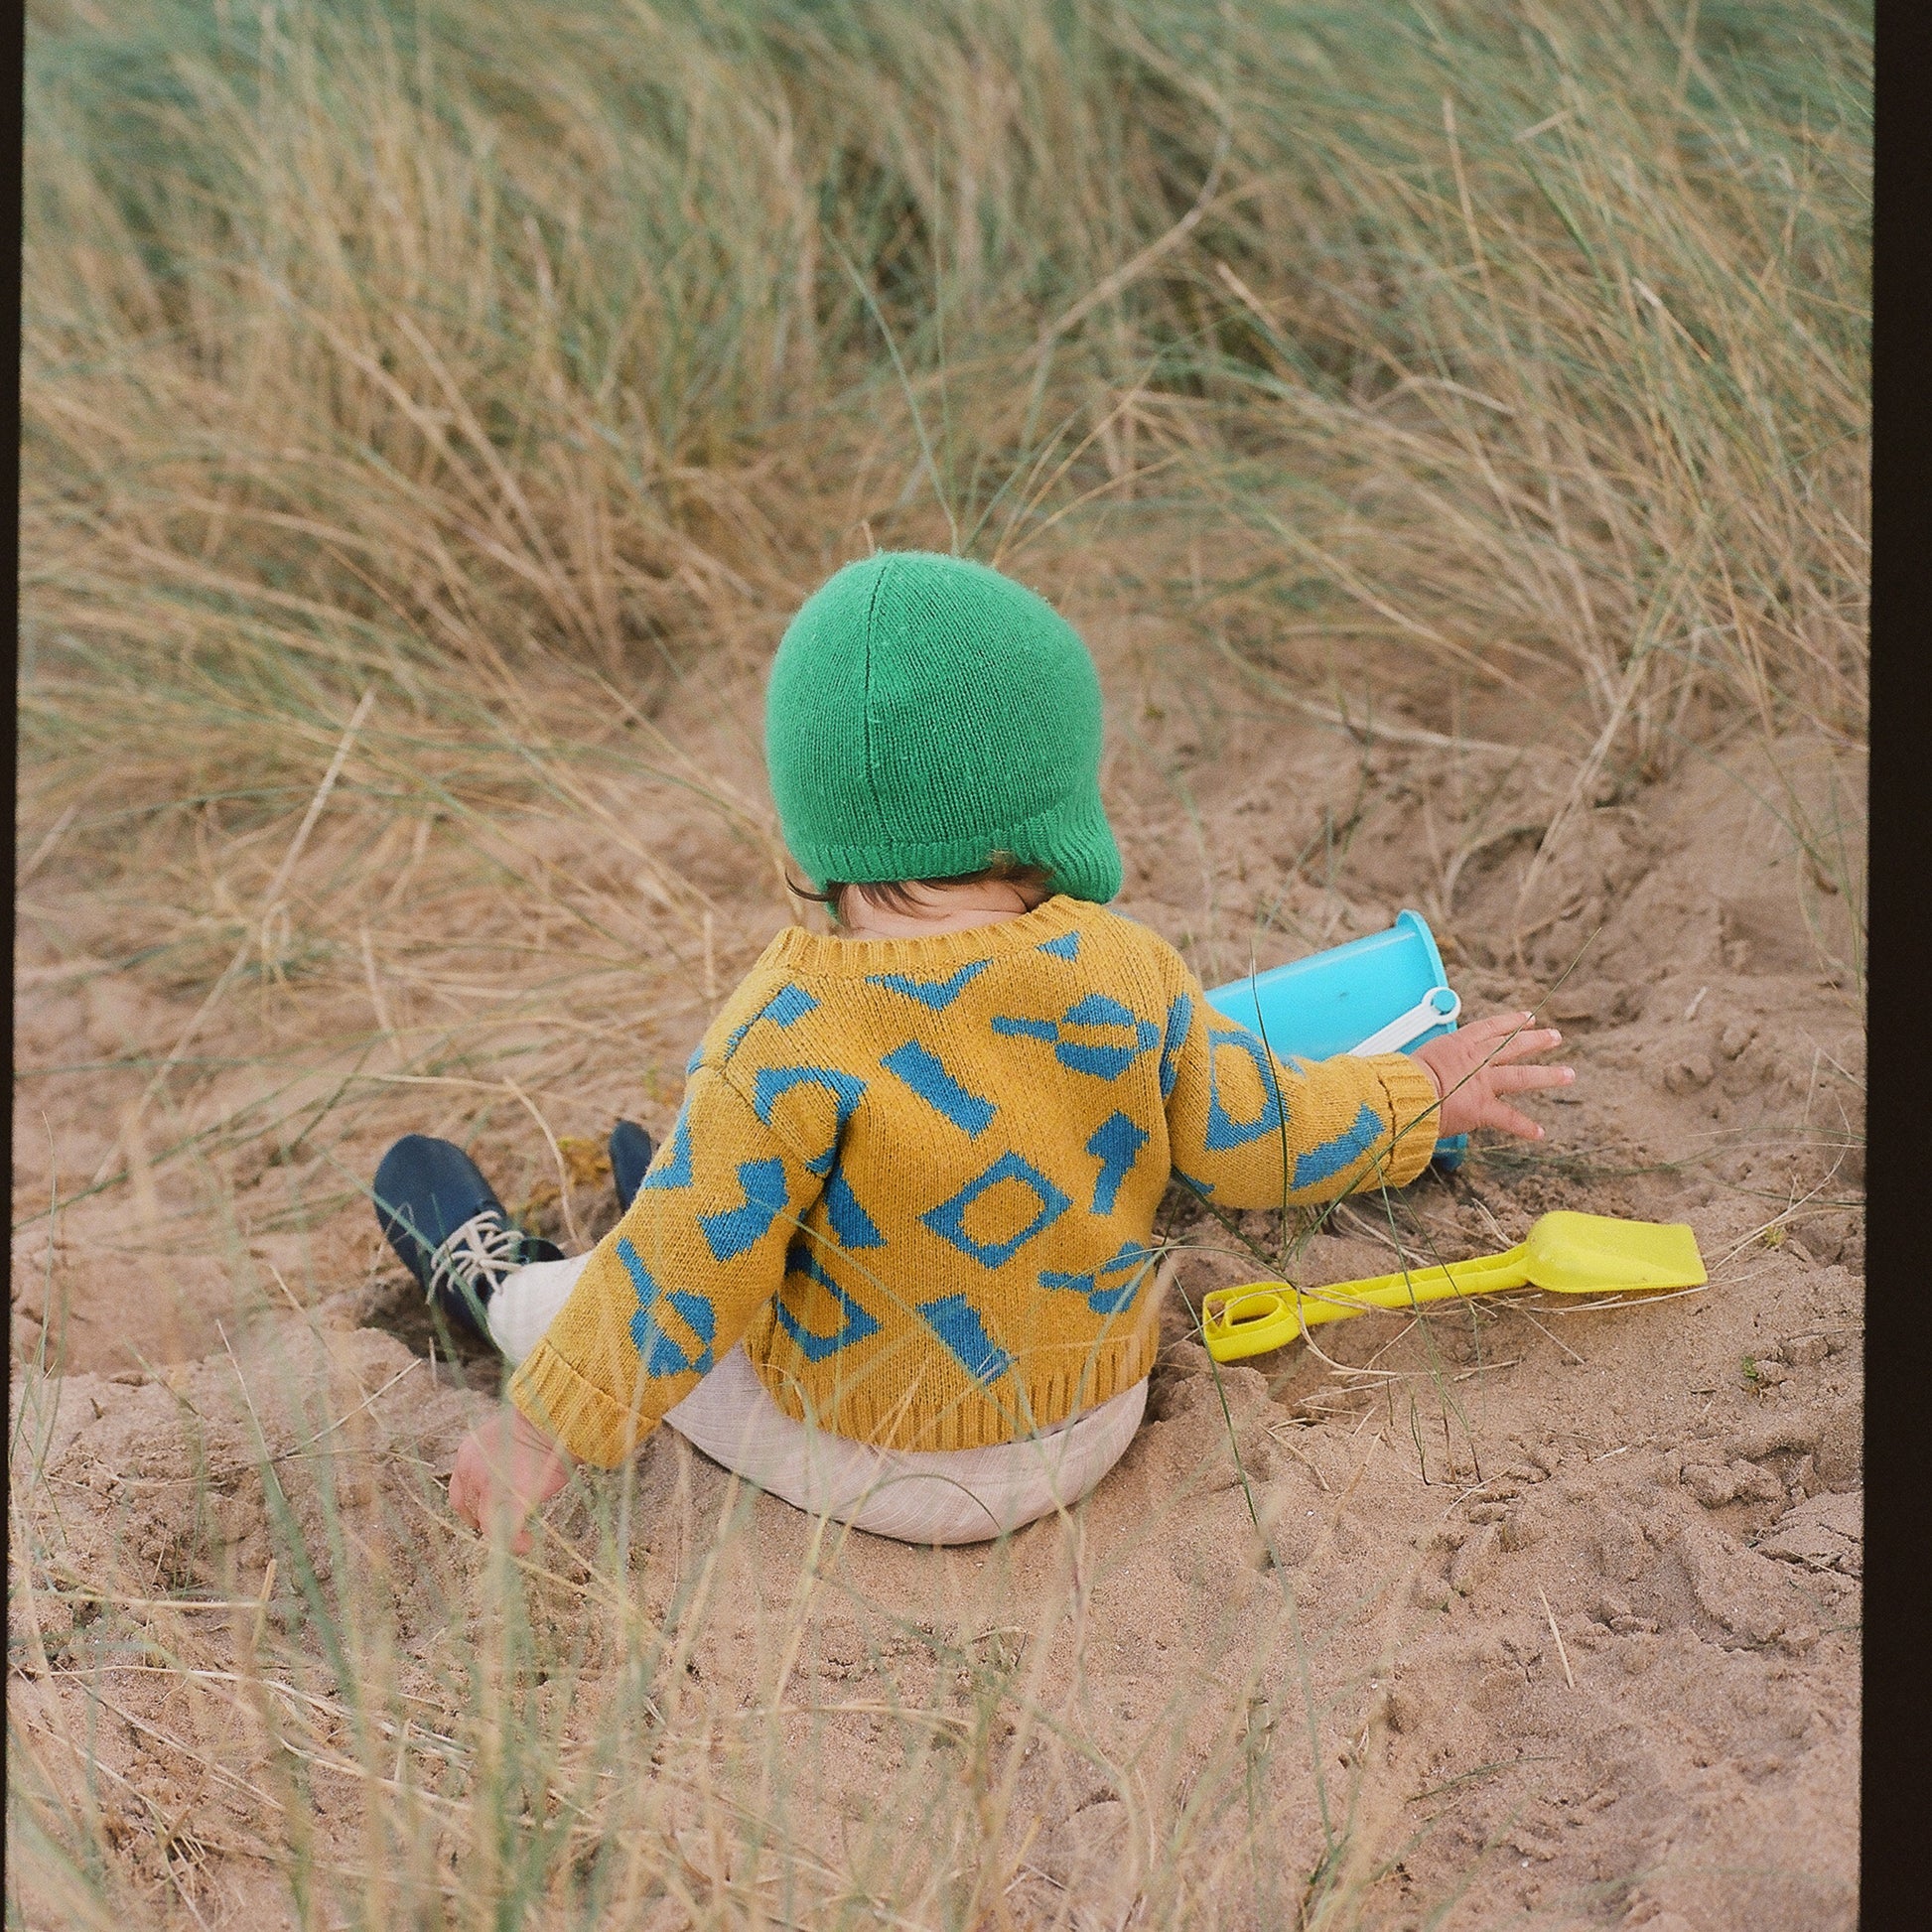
896,896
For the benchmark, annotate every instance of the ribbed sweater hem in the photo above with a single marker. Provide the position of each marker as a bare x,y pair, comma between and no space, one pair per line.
1050,1385
1047,1388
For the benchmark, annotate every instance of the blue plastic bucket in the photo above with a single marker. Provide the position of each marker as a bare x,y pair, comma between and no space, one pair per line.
1314,1009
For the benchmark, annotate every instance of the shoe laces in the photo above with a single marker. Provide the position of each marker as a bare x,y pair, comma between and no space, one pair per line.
477,1258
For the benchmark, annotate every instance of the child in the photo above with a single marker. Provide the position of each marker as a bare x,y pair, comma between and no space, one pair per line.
894,1263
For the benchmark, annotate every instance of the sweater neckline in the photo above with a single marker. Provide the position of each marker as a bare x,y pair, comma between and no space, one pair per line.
827,956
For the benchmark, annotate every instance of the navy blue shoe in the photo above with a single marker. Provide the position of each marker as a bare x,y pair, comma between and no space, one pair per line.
631,1153
444,1219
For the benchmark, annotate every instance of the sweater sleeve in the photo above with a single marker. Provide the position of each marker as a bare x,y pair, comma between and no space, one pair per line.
671,1289
1248,1129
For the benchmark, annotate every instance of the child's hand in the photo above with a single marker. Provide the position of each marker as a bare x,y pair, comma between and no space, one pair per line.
1475,1065
510,1464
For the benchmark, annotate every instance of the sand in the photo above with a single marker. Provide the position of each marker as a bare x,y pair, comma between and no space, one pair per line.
1554,1608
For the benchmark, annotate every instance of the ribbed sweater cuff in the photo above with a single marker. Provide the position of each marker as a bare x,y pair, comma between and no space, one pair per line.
585,1419
1415,1109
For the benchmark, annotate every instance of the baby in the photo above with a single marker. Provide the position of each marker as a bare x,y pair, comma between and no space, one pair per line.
894,1262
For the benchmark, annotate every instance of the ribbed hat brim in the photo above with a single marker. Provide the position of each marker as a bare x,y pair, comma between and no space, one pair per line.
1073,840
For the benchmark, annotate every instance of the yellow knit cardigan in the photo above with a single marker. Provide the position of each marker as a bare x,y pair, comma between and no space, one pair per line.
916,1179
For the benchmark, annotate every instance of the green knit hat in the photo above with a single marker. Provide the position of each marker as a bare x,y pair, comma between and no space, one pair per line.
926,712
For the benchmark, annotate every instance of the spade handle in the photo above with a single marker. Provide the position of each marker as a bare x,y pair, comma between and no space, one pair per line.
1240,1321
1480,1275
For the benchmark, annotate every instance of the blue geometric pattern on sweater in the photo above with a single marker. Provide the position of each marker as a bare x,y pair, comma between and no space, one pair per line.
853,1227
772,1083
1181,1016
660,1354
850,1222
1117,1142
936,993
1342,1151
1223,1130
1096,1012
855,1324
1100,1010
729,1234
1066,947
676,1171
926,1073
1026,1029
948,1219
957,1323
790,1003
1202,1187
1106,1301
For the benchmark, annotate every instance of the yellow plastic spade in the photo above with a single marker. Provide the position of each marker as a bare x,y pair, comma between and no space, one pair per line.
1567,1254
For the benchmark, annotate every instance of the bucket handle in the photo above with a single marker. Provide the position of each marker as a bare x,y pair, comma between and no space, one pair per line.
1439,1007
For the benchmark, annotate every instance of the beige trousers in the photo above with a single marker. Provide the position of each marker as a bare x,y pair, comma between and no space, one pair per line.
930,1496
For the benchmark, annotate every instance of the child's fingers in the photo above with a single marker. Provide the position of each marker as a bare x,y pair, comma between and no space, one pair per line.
1498,1114
1531,1040
1522,1080
462,1500
1495,1026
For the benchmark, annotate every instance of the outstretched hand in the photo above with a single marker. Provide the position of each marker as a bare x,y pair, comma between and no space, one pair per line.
507,1464
1474,1067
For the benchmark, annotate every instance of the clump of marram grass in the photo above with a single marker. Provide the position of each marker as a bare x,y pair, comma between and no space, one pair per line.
1575,372
1572,391
365,342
